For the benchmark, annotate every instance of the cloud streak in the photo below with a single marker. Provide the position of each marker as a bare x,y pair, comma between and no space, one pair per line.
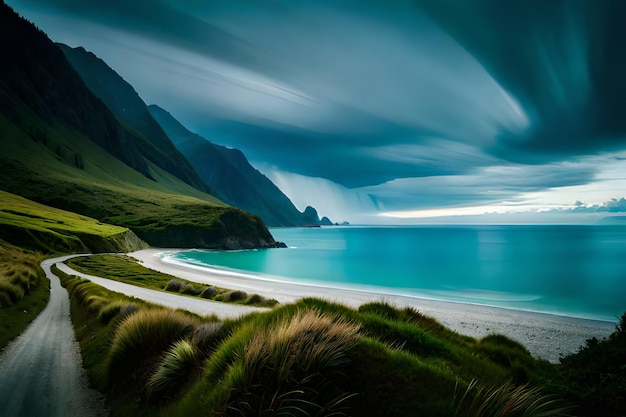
418,104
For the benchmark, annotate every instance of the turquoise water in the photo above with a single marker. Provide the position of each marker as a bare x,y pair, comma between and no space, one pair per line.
571,270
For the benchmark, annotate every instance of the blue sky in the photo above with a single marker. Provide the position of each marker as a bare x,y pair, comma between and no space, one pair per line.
386,112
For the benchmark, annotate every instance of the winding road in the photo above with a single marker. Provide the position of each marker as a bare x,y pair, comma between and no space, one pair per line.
41,371
195,305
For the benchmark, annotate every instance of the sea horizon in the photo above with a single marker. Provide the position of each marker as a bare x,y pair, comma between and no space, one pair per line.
568,270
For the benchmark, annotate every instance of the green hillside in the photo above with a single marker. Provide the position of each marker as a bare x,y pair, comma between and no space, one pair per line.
122,99
35,226
61,146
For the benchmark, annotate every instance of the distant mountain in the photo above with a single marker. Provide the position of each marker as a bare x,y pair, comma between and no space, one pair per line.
230,175
310,217
325,221
62,146
121,98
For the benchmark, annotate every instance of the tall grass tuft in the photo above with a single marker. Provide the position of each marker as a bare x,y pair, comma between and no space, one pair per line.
116,309
19,272
207,336
142,336
508,400
173,370
292,367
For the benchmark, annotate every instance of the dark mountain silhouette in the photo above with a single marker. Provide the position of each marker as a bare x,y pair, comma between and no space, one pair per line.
62,146
230,175
121,98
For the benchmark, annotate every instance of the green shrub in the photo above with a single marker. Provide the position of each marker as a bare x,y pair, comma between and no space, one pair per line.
143,335
501,340
232,296
291,367
403,335
174,285
173,370
209,292
594,378
381,309
190,289
254,299
509,354
116,309
207,336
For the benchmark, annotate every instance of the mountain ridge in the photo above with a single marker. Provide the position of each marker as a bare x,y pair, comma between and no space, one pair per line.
229,172
61,146
123,100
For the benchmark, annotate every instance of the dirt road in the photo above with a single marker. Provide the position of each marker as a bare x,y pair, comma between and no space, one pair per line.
41,371
172,300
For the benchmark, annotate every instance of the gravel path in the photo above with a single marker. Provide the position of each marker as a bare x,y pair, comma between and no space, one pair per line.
195,305
41,371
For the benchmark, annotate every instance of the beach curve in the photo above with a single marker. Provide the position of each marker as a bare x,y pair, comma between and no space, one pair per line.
546,336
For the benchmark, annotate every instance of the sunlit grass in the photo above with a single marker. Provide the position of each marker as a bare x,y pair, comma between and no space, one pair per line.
287,367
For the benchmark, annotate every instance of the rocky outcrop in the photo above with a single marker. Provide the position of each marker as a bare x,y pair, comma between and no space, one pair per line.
126,241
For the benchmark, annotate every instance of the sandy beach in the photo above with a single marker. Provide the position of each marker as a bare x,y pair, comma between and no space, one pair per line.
547,336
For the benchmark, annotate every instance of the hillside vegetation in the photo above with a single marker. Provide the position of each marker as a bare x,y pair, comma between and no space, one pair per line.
24,290
35,226
304,359
165,212
63,147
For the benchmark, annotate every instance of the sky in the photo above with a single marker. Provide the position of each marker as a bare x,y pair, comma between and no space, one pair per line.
386,111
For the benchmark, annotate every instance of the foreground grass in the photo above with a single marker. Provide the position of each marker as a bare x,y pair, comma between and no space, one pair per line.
24,290
304,359
125,269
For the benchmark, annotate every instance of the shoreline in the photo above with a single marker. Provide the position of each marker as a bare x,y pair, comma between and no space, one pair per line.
545,335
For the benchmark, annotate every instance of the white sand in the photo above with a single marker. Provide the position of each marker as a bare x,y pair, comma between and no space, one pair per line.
546,336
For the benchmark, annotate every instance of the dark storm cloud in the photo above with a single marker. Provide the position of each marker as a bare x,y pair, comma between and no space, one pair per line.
561,59
422,103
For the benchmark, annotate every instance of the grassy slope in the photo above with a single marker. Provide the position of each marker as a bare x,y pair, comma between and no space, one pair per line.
54,165
29,229
39,227
313,355
24,290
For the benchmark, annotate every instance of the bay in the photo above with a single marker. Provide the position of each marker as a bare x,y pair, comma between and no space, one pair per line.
562,269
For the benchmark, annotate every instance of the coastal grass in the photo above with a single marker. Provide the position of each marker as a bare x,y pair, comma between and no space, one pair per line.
296,362
313,357
126,269
173,370
509,400
24,290
594,378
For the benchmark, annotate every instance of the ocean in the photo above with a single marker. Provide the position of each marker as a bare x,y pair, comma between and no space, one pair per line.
562,269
